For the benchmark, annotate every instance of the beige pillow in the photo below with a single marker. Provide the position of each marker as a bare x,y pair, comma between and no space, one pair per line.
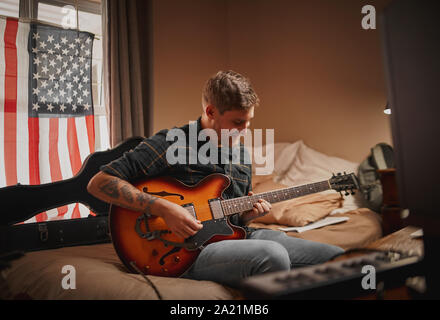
296,212
283,154
310,166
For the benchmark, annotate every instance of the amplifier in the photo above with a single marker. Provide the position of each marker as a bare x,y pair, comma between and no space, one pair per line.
344,279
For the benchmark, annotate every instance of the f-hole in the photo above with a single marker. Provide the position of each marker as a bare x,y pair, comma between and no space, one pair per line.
163,193
174,250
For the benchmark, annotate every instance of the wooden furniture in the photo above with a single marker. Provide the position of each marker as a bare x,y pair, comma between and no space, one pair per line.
393,219
400,241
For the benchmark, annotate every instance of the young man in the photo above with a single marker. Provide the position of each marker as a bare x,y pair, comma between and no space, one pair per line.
228,103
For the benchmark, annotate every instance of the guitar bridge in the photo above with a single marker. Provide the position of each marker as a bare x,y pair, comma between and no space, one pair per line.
149,235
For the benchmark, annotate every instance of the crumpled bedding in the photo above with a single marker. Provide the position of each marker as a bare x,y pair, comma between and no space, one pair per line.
100,275
363,227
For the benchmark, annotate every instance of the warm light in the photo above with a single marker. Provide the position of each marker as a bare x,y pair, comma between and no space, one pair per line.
387,109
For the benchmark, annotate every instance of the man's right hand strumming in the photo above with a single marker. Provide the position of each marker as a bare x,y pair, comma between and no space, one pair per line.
117,191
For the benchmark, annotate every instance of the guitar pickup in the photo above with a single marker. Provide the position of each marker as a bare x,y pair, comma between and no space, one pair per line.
216,209
190,208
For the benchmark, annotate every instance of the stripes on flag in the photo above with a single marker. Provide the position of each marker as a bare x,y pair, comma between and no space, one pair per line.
46,107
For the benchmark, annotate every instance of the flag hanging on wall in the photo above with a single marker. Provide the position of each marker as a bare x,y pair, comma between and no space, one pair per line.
46,107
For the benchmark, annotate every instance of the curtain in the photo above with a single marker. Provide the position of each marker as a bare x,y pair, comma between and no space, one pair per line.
128,68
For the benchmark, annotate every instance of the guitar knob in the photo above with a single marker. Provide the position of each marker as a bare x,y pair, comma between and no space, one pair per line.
177,259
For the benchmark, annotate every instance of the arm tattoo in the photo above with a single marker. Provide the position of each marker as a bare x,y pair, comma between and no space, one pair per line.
127,194
144,197
141,199
110,188
150,202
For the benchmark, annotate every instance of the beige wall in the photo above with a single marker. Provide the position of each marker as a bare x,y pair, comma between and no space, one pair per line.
189,44
319,75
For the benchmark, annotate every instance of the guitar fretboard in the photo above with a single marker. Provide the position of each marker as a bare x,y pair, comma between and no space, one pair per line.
241,204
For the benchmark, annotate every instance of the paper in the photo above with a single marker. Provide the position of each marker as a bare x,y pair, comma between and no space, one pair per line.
315,225
417,234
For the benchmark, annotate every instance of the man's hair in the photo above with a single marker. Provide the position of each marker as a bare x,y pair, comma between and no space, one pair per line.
229,90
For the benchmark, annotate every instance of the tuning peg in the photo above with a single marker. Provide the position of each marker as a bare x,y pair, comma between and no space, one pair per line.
352,192
347,193
339,173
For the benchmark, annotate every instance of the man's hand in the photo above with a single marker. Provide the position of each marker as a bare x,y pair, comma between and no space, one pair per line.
177,218
261,208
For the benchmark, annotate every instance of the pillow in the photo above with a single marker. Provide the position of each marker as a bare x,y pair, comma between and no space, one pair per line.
310,166
296,212
283,154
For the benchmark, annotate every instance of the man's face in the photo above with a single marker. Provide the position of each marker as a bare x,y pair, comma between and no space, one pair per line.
233,119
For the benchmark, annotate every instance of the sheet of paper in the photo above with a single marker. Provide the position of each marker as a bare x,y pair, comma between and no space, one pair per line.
318,224
417,234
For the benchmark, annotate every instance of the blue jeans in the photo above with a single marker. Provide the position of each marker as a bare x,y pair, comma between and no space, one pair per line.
230,261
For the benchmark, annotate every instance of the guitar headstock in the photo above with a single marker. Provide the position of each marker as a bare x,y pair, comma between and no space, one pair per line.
344,182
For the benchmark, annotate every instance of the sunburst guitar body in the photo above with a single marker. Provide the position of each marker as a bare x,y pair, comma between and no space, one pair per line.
146,242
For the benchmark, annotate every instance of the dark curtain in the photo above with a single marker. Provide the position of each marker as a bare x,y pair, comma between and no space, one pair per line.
128,67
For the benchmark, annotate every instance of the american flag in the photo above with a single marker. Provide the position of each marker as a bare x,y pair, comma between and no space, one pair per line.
46,107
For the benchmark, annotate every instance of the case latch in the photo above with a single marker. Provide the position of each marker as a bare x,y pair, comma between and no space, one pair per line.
44,233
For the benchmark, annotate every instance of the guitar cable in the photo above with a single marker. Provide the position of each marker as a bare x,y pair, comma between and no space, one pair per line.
133,264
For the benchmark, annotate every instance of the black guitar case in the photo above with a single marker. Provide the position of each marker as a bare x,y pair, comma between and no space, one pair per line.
21,202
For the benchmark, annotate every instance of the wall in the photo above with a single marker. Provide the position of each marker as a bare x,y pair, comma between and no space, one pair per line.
318,74
189,45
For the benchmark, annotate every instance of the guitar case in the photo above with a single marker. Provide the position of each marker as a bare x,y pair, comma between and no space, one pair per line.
21,202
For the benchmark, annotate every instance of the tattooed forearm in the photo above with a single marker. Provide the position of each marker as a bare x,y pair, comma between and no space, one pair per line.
126,193
150,202
141,199
123,194
110,188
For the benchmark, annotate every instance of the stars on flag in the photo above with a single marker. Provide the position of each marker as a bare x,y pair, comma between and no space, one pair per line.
60,72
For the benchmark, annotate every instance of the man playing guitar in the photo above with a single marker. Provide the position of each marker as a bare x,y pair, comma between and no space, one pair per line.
228,103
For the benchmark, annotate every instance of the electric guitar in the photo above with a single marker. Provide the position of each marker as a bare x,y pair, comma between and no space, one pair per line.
146,245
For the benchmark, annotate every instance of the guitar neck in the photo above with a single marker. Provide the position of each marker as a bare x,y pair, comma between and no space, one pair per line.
246,203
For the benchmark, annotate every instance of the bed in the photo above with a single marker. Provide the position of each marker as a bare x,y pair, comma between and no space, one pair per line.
98,273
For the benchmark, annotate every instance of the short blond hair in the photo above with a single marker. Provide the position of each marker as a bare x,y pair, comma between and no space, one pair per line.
229,90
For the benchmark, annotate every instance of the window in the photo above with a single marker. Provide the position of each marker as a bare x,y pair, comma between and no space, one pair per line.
9,8
84,15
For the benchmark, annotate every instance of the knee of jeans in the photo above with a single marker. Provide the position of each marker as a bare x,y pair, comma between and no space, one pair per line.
329,252
274,257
